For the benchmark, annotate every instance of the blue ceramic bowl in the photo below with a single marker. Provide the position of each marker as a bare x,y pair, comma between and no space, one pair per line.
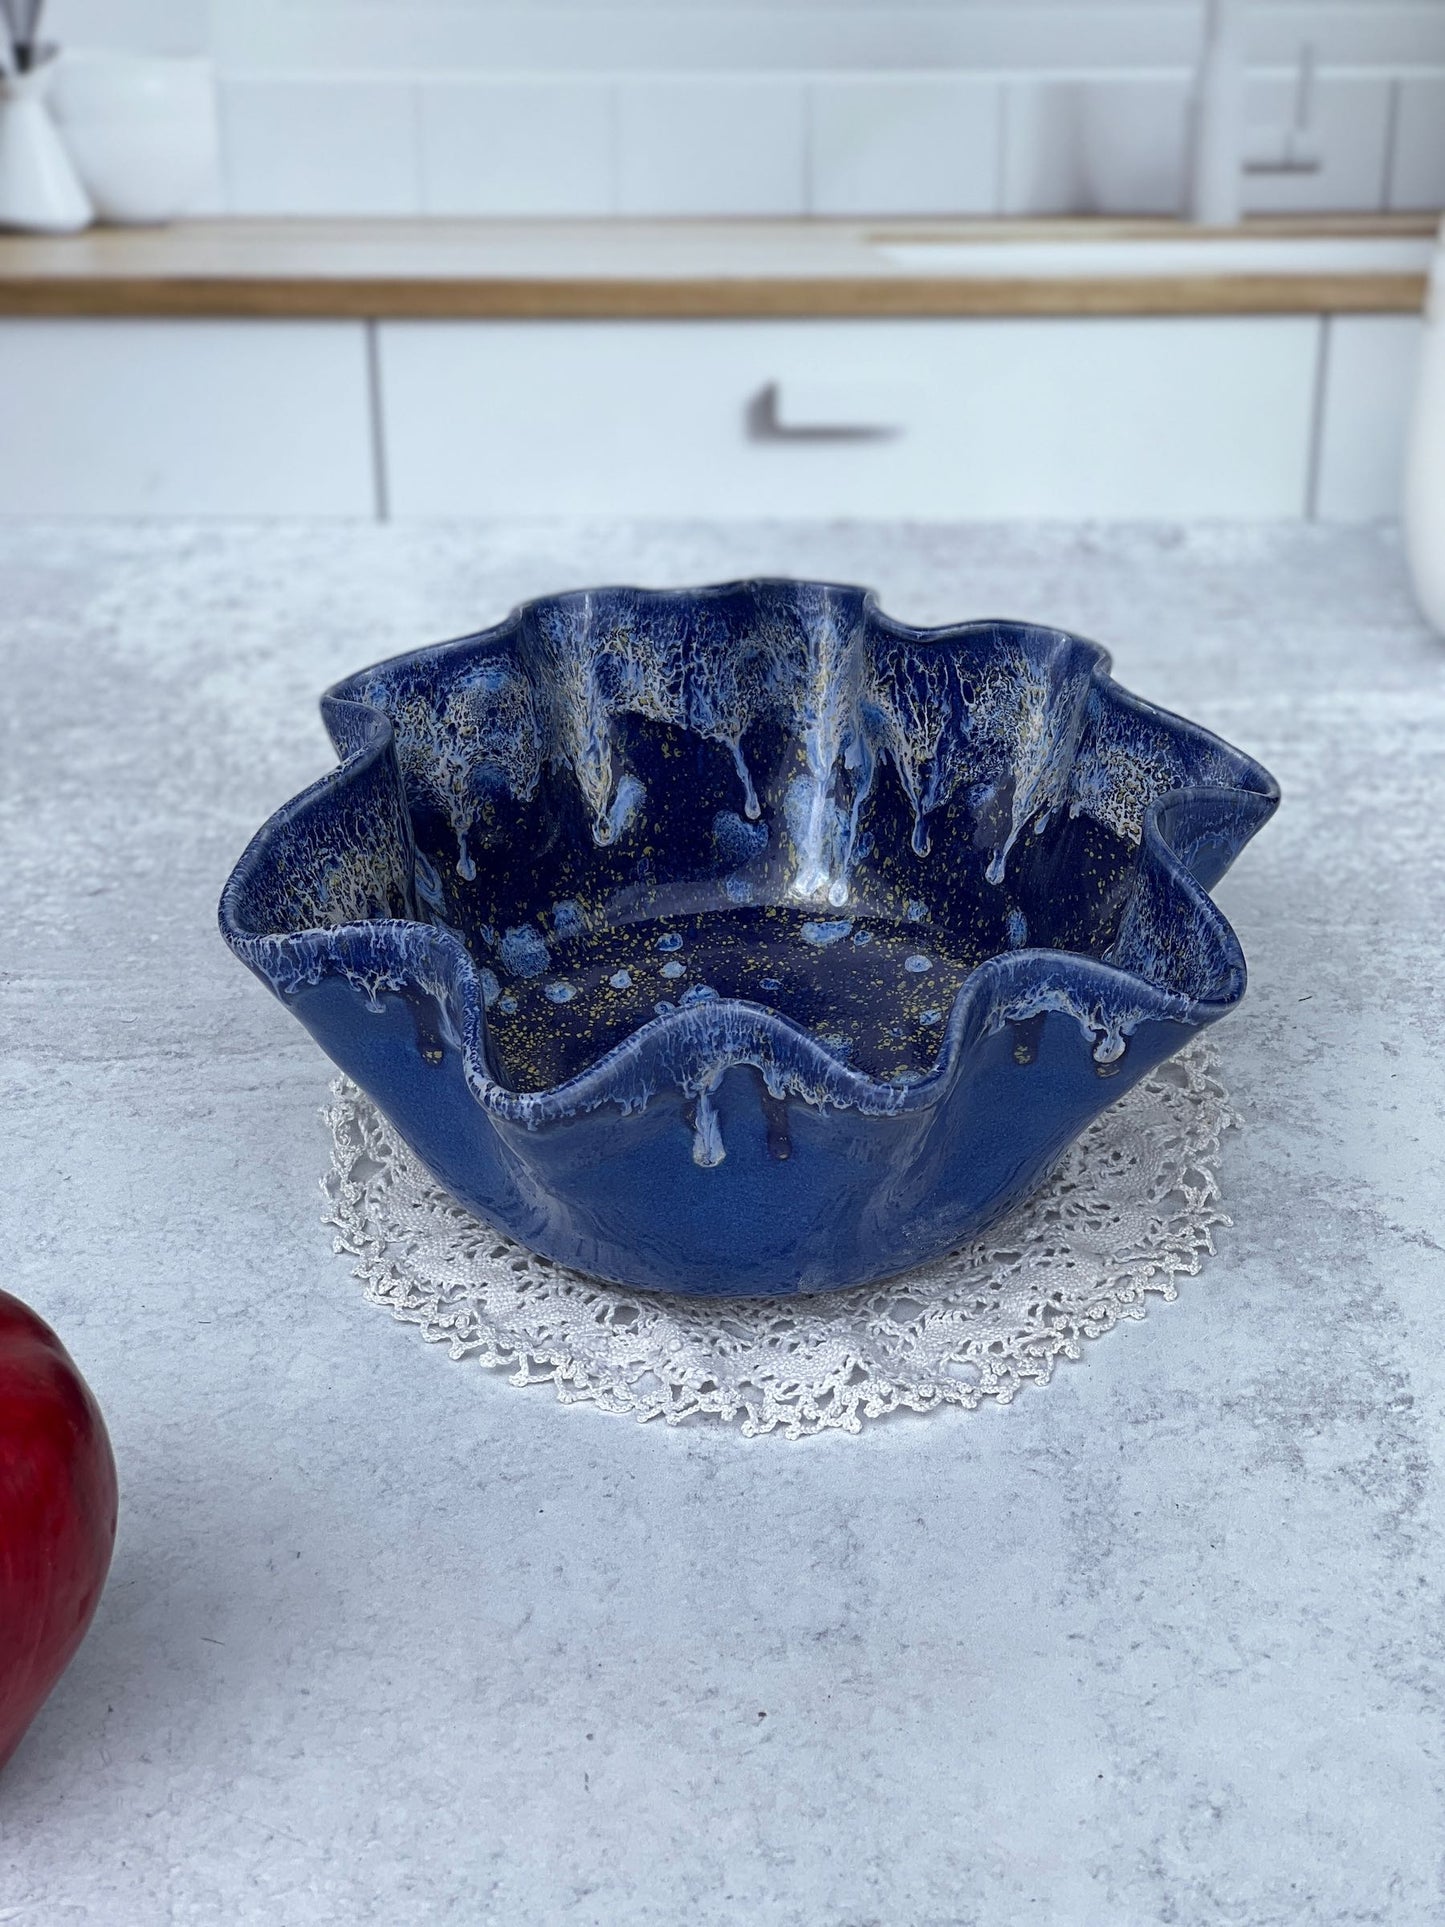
742,939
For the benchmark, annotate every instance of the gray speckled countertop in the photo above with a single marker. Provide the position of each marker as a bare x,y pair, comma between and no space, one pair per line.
389,1640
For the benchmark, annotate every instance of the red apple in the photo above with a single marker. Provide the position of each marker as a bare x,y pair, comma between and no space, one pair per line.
57,1514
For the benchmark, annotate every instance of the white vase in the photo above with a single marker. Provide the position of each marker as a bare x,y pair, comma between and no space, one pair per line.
1425,462
40,192
143,132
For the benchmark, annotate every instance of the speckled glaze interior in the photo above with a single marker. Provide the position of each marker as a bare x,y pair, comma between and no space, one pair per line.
744,939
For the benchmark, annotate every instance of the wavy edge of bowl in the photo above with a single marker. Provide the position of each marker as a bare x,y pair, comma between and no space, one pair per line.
689,1048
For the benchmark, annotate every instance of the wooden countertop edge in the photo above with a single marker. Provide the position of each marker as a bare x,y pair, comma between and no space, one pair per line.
385,298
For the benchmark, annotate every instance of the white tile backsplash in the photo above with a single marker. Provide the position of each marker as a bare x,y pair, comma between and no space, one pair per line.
703,36
142,26
718,107
1417,175
526,146
905,144
722,145
313,146
792,36
1101,146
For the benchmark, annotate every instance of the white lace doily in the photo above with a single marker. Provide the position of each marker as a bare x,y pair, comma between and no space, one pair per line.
1129,1209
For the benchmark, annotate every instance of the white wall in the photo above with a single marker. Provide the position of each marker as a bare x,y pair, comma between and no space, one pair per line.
801,106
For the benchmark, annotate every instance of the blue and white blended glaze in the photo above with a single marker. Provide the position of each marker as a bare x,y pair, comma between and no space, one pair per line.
742,939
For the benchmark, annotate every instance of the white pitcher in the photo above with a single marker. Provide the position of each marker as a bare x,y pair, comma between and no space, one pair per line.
1425,463
40,192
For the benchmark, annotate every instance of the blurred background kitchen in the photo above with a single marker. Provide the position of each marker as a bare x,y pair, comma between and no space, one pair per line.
1085,258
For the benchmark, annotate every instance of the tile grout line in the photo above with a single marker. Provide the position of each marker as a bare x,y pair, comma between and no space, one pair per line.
1392,143
807,117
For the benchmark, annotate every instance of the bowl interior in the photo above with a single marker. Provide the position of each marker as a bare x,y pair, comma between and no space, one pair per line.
626,803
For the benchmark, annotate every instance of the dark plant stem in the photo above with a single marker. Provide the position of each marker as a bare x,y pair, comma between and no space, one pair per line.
25,42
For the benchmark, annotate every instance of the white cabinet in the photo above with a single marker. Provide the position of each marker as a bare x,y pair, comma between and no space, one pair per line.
1108,417
1365,403
154,417
932,418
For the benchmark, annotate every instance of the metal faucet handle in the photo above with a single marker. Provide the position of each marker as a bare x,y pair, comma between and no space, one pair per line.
1301,151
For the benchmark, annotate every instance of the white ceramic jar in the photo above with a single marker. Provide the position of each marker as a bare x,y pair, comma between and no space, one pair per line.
1425,463
142,131
39,191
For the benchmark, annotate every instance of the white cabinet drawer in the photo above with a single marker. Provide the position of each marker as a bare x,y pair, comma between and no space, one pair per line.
1108,417
145,417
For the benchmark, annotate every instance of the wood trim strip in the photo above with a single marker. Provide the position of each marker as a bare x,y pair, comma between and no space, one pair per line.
383,298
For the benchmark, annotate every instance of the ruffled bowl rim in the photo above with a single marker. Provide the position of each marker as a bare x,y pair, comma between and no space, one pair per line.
683,1046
